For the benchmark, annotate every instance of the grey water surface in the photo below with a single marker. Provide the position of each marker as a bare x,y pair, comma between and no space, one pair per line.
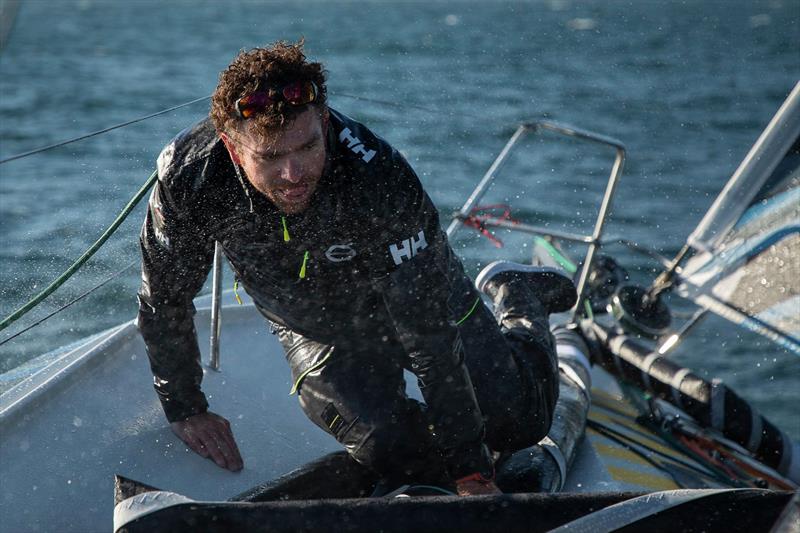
686,85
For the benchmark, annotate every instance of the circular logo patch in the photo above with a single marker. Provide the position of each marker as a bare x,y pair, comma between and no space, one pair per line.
340,252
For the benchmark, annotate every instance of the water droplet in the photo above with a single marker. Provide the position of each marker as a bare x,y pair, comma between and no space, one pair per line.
451,20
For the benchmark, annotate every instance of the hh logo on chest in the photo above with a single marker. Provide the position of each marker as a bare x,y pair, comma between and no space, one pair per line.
408,248
356,145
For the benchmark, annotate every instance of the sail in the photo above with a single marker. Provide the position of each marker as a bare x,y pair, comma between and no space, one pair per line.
747,261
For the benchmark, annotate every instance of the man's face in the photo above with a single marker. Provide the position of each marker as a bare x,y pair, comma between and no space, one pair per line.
287,168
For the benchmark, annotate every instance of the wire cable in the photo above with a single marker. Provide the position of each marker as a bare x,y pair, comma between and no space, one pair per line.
85,257
641,249
634,446
99,132
69,304
196,100
614,436
407,106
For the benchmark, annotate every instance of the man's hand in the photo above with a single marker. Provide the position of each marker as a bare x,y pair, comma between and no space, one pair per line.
210,436
475,485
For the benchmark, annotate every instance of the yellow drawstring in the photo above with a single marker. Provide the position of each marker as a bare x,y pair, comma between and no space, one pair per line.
303,268
286,237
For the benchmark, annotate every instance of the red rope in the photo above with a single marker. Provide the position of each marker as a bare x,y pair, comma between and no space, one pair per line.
479,215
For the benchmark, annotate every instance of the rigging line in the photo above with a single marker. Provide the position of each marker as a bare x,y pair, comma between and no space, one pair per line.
99,132
70,303
641,249
85,257
185,104
626,443
407,106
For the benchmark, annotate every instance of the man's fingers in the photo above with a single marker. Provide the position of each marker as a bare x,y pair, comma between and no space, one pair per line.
191,440
235,458
210,436
213,444
224,448
199,448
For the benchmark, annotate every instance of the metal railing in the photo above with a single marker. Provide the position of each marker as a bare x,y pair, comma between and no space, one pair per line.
593,240
216,308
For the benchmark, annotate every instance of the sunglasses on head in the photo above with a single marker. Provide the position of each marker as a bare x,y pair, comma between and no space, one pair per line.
296,94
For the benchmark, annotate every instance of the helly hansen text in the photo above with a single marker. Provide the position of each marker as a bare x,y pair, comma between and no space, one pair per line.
355,144
408,248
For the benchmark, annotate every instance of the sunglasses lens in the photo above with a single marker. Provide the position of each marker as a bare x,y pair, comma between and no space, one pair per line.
296,94
250,104
300,93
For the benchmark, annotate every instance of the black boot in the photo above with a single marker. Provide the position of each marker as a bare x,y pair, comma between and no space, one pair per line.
555,291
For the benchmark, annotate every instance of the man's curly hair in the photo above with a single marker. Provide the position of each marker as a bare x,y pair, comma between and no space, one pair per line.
258,69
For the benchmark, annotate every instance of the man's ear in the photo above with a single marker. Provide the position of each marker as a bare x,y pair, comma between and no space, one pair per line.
231,148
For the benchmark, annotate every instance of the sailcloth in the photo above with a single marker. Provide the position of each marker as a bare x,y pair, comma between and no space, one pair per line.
746,265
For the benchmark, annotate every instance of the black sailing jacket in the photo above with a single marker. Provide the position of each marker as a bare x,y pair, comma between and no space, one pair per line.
367,260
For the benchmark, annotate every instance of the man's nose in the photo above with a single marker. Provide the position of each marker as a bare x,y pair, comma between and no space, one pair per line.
291,170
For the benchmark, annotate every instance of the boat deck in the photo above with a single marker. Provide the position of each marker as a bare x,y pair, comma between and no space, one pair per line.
93,413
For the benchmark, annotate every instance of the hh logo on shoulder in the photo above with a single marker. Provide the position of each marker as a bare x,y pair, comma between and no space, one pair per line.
408,248
356,145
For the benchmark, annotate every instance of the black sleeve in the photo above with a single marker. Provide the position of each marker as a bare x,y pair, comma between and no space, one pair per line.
176,259
412,269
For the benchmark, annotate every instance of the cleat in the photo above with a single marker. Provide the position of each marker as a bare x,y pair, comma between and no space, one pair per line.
551,287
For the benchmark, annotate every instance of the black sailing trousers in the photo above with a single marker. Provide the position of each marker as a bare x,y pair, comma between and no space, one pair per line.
354,389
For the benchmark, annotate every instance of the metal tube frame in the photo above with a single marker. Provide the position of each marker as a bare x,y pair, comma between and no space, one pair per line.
593,240
216,307
487,180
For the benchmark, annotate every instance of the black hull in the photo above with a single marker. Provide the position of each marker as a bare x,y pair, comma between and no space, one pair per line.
750,510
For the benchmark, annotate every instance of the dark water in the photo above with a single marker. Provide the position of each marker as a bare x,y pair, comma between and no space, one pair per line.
687,86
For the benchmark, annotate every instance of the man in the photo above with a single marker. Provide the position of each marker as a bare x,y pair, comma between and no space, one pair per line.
333,236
